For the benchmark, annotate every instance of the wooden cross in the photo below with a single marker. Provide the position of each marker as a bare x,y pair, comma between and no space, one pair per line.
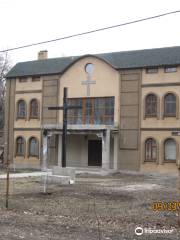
65,109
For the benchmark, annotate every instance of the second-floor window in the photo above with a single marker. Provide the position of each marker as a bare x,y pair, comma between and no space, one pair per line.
170,105
34,108
151,105
93,111
21,109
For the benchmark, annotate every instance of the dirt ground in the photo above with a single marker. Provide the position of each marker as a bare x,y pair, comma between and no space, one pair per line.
101,208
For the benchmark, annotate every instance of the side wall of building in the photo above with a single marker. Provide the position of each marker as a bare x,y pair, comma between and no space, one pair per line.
161,127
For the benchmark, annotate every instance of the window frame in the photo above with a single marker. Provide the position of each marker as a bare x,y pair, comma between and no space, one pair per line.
155,146
155,114
23,79
90,118
166,114
170,69
30,109
36,79
152,70
22,154
18,115
169,160
29,147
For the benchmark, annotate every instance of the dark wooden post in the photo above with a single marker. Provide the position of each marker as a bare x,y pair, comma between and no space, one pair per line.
65,109
7,184
64,135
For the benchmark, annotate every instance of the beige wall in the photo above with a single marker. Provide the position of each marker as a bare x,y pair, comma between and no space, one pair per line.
160,165
107,82
168,122
156,124
27,161
29,85
160,77
28,123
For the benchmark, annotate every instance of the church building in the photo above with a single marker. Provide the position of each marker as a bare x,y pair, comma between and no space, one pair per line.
128,116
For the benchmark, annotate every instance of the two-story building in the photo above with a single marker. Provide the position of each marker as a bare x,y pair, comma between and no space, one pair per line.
129,110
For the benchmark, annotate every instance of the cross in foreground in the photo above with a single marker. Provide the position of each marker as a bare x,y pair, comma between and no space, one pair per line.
65,109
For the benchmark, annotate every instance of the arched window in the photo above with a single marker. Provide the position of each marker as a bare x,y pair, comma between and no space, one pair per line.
151,106
170,150
34,108
150,150
33,147
20,146
21,109
170,105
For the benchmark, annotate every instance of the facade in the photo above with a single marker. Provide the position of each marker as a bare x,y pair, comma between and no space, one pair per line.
129,117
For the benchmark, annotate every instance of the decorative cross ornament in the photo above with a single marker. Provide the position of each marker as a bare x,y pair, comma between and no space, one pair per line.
89,70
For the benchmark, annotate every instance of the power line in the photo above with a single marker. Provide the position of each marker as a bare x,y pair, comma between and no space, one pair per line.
92,31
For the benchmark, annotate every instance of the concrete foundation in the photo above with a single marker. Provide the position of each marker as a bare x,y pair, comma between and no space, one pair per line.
56,179
64,172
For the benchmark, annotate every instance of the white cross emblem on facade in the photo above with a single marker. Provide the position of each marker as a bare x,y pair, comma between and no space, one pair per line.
89,69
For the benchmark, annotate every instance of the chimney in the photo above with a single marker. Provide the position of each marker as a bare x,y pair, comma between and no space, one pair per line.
42,55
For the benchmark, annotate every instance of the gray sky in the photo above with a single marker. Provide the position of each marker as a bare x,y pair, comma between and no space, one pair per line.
29,21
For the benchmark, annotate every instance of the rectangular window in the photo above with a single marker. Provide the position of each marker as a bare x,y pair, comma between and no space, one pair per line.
170,69
35,79
23,79
151,70
93,111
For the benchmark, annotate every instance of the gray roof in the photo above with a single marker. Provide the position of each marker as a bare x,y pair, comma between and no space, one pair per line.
118,60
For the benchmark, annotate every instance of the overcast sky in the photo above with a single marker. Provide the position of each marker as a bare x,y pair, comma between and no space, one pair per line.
29,21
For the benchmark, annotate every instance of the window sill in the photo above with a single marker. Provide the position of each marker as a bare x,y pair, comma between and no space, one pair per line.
20,118
169,116
33,118
33,156
169,161
150,161
148,116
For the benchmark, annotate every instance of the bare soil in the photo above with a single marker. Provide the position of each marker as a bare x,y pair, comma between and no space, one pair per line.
95,207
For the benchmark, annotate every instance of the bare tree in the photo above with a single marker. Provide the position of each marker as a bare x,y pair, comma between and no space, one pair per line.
4,68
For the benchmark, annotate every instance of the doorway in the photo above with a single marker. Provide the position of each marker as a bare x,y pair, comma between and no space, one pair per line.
95,153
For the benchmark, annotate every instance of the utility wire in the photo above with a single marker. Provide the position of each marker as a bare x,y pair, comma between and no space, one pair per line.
91,31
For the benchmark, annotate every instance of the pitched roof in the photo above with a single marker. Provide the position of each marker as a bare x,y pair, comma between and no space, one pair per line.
118,60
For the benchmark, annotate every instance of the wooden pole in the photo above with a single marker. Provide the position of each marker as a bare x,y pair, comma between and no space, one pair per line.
64,135
7,185
65,109
179,193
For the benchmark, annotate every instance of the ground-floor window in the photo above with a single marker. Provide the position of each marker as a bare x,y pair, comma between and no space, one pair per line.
20,146
33,147
150,150
98,110
170,150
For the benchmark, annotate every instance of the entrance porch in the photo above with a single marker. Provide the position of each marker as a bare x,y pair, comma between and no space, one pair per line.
91,146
